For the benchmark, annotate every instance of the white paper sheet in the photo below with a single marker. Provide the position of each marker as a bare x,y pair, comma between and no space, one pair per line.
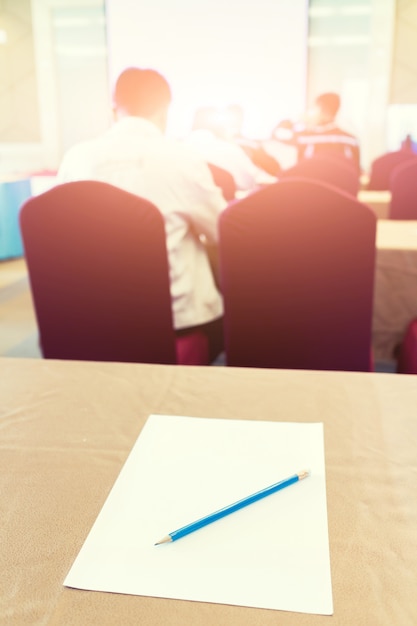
272,554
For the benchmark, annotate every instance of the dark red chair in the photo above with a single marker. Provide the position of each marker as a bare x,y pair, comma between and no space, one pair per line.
297,266
403,185
407,357
335,171
224,180
383,167
98,272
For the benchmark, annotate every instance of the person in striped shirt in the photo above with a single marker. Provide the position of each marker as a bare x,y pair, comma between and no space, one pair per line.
321,136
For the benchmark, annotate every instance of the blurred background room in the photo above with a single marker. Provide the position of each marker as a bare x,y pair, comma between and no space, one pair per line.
267,60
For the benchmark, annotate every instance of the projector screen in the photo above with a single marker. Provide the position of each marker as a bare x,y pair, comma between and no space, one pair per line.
217,53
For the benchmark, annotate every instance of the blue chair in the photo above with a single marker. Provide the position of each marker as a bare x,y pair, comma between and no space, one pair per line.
12,196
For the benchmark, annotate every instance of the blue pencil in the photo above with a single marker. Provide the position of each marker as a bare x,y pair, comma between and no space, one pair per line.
231,508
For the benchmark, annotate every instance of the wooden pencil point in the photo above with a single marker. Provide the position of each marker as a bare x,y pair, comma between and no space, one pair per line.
166,539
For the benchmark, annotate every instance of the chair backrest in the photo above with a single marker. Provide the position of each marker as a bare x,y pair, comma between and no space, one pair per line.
403,185
297,266
383,166
98,271
335,171
224,180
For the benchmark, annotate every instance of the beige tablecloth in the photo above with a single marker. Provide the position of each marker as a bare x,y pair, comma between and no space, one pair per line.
379,201
395,296
68,427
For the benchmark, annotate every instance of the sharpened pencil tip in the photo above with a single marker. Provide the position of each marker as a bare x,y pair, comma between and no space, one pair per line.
166,539
303,474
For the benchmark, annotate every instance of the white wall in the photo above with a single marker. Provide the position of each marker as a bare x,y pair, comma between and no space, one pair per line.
212,52
350,51
216,52
72,83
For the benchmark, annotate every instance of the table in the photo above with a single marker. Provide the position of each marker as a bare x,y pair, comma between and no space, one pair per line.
379,201
395,294
68,427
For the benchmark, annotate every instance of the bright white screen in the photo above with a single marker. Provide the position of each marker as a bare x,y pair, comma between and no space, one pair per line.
217,52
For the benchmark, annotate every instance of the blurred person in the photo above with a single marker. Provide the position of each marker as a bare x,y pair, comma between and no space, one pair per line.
135,155
257,150
212,137
235,116
320,134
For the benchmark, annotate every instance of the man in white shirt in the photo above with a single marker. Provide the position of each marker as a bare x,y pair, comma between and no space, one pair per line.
134,154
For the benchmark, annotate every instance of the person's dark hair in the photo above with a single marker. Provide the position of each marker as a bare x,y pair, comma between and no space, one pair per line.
329,104
141,92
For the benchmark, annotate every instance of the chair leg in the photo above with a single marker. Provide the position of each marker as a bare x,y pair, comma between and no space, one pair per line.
192,349
407,357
